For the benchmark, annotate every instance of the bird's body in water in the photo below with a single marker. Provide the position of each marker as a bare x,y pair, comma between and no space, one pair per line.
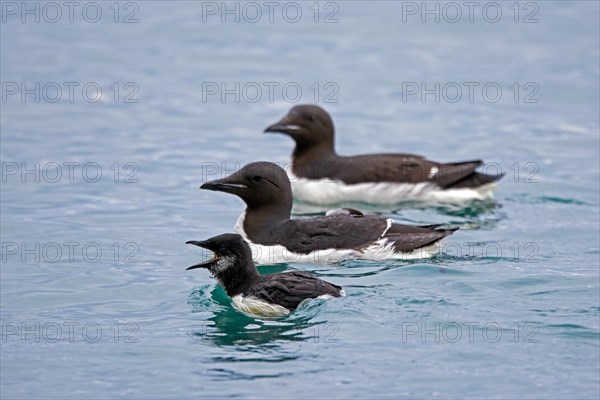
345,234
320,176
268,296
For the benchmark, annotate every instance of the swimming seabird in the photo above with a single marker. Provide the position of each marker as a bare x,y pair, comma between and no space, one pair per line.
320,176
346,234
268,296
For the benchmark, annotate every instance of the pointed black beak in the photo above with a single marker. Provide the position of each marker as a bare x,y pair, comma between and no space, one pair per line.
275,128
286,126
208,264
227,185
198,243
203,265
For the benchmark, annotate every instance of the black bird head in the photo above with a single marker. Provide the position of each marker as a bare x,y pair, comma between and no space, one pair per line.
309,125
262,185
231,263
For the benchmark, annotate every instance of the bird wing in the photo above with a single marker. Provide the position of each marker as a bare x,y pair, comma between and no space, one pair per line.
402,168
407,238
289,289
353,231
382,167
356,232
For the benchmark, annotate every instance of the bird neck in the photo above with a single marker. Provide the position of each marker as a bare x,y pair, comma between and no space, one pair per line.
239,277
314,162
260,223
311,149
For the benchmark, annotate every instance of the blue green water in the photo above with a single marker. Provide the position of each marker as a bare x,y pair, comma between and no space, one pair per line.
95,299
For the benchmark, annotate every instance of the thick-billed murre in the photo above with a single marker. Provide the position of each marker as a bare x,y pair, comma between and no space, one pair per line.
349,234
268,296
320,176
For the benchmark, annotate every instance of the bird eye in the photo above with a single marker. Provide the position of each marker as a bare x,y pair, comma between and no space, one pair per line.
256,178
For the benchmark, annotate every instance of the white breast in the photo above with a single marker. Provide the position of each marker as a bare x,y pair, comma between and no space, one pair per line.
254,306
329,192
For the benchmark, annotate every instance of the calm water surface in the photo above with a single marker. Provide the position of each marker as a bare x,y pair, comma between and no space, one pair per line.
96,302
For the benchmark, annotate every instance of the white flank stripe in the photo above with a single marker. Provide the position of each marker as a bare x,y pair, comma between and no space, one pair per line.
390,222
433,171
253,306
330,192
382,249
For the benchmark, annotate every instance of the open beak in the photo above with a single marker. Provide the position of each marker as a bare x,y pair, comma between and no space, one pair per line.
208,264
